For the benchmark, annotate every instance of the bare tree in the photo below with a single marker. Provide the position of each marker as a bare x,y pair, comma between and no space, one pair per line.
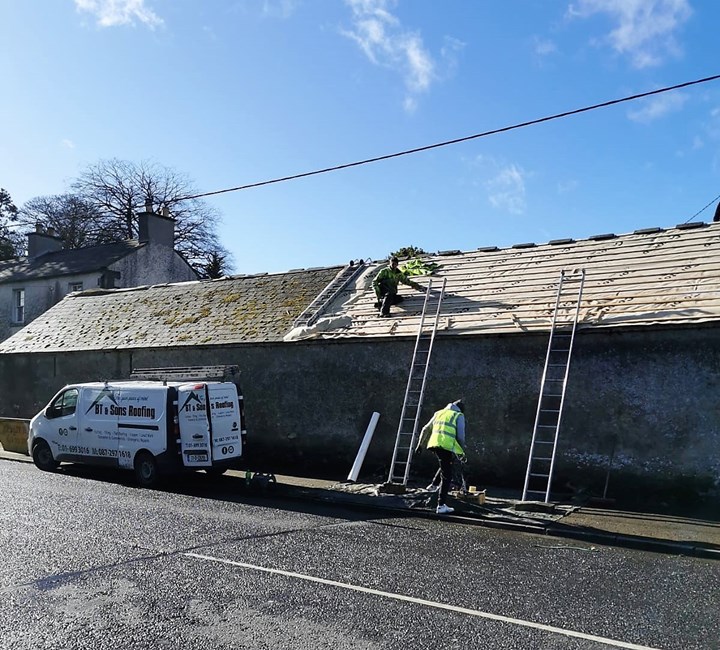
118,189
10,241
75,220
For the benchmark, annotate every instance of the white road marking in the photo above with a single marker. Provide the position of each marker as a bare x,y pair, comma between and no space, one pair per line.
427,603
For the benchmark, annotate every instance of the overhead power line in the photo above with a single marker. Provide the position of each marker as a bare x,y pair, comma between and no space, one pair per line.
446,143
701,210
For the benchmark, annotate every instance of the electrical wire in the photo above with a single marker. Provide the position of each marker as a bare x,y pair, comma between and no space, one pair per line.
701,210
450,142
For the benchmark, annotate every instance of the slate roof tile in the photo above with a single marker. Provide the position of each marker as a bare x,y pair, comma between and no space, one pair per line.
231,310
66,262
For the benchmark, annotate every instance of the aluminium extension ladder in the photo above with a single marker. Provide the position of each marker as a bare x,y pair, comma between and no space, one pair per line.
344,277
415,391
541,460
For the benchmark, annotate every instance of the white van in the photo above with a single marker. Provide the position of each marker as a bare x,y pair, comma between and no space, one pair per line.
151,427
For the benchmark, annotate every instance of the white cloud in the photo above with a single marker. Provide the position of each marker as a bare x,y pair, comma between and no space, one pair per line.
563,187
712,127
506,190
67,143
279,8
656,107
645,29
544,47
387,43
110,13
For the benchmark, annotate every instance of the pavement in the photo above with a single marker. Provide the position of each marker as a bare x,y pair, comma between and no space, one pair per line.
677,530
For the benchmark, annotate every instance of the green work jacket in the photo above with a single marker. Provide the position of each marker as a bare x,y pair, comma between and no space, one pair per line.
391,279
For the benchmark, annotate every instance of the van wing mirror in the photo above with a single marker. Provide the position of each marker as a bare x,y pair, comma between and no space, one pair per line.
52,412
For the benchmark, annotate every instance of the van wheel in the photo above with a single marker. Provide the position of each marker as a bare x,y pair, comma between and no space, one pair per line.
146,471
43,458
214,472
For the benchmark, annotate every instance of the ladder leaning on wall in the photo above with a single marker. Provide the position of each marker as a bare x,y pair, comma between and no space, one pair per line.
541,460
415,391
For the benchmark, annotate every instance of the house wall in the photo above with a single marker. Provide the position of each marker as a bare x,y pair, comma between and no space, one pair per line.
40,295
152,264
646,399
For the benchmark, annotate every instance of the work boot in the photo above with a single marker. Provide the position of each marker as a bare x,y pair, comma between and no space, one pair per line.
444,510
432,488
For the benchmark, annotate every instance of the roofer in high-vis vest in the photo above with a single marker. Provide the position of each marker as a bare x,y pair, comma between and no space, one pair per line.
446,429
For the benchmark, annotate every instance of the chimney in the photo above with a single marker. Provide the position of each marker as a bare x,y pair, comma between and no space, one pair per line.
40,242
155,228
717,213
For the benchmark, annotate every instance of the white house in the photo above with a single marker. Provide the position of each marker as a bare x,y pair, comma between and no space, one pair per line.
31,285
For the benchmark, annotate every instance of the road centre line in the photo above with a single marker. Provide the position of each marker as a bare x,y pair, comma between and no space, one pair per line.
427,603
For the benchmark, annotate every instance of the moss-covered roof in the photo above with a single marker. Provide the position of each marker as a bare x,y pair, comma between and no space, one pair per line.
257,308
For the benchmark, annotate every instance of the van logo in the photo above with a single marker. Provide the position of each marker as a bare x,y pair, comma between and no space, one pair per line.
197,436
105,392
192,397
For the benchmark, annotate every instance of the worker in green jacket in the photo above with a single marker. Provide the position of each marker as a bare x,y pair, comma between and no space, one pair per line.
386,283
446,431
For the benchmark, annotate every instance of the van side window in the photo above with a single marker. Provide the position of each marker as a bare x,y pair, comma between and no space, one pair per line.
63,404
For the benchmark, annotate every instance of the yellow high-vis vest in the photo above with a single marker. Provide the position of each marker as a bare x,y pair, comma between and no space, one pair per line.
444,431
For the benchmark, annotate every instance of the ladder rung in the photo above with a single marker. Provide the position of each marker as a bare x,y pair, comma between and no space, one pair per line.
537,458
541,475
414,389
549,411
557,365
544,442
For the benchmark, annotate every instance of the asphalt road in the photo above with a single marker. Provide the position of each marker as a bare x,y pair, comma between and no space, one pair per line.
90,561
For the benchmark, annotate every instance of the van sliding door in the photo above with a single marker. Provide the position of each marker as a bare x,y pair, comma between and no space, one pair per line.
97,436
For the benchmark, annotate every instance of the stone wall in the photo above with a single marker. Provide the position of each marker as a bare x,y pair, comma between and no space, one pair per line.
646,398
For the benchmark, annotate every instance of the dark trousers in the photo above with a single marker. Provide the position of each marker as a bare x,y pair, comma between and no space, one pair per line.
445,458
388,297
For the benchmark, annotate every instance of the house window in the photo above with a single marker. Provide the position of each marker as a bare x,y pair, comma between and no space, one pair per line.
18,305
74,286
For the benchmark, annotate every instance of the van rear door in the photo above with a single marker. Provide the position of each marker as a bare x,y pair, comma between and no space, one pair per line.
225,421
194,425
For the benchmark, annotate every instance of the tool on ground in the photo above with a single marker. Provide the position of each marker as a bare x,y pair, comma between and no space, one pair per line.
541,460
415,391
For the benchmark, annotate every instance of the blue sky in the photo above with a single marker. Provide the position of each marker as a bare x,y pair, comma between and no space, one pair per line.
237,92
